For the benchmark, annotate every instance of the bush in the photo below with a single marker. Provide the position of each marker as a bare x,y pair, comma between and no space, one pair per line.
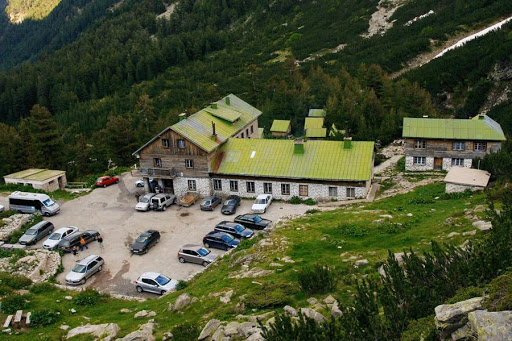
500,294
181,285
44,317
352,230
87,297
421,329
185,332
14,281
269,296
309,202
12,303
295,200
317,279
42,288
313,211
400,165
247,243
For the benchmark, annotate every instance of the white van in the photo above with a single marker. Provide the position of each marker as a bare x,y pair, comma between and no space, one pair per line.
25,202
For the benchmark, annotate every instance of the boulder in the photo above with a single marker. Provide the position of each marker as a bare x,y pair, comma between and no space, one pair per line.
231,329
491,326
313,314
312,300
479,208
362,262
482,225
453,234
208,330
450,317
227,297
290,311
182,301
335,310
125,311
69,298
144,333
107,331
329,300
255,337
246,329
469,233
218,335
167,336
143,314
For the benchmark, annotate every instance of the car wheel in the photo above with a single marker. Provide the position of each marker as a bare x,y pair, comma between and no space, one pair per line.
265,210
104,186
205,264
139,289
182,260
162,292
206,245
226,247
164,207
83,281
100,268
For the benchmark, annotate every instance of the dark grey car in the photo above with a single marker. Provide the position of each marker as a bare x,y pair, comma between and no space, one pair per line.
230,204
36,233
209,203
196,254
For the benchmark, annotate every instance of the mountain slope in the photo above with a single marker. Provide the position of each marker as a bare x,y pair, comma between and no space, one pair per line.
19,10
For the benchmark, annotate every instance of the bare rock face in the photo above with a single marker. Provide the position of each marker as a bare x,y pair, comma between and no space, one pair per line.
12,224
38,265
290,311
144,333
107,331
182,301
490,326
451,317
313,314
209,329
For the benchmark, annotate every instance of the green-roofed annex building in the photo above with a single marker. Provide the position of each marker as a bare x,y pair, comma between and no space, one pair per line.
218,150
46,179
435,144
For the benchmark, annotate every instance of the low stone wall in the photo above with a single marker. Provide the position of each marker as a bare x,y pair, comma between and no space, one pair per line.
453,188
410,166
181,186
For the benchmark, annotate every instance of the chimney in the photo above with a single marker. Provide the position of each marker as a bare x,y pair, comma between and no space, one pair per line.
346,130
347,143
182,116
214,133
213,105
298,147
481,116
228,100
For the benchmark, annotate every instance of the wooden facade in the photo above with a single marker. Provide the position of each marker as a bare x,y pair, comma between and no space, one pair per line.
444,148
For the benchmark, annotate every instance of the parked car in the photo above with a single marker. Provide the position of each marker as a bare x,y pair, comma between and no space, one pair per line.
236,230
196,254
54,239
1,208
105,181
155,282
84,269
144,203
66,244
252,221
140,182
160,202
209,203
220,240
230,204
36,233
261,203
145,241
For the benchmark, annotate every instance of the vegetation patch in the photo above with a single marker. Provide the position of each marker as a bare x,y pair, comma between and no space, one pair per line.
500,293
317,279
87,297
13,302
44,317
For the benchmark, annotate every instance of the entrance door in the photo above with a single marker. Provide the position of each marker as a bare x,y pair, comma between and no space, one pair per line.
168,186
438,163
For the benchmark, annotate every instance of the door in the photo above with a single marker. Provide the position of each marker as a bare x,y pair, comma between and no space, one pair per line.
168,186
438,163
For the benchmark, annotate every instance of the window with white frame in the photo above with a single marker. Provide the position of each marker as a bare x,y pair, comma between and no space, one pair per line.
217,185
157,162
480,146
420,144
192,186
419,160
233,186
303,190
267,187
333,191
351,192
285,189
251,188
165,143
457,162
458,145
189,163
181,143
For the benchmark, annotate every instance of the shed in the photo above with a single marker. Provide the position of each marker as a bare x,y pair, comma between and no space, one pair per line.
460,179
46,179
280,128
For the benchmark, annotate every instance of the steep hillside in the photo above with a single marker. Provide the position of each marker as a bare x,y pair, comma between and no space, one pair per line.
19,10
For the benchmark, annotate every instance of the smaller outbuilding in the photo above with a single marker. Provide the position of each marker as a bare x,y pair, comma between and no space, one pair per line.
460,179
45,179
281,128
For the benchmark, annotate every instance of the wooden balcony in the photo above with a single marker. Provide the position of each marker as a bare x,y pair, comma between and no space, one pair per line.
154,172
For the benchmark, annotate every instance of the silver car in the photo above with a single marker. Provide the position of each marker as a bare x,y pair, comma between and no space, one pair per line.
84,269
196,254
53,241
162,201
144,203
36,233
155,282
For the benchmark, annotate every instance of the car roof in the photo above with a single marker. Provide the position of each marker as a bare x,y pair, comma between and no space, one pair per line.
64,229
160,195
233,196
151,275
88,259
191,247
149,195
262,196
228,223
148,232
216,233
39,224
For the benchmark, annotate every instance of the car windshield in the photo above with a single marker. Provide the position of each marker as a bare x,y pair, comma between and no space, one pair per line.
144,200
206,203
142,238
227,238
260,201
79,268
239,228
55,236
99,180
229,202
48,202
257,219
203,252
162,280
31,232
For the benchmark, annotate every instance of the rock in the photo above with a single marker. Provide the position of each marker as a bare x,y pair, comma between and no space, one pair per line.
144,333
287,259
469,233
362,262
170,307
255,337
409,214
312,314
487,326
72,310
450,317
290,311
6,330
107,331
218,335
182,301
381,271
64,327
231,329
335,310
482,225
462,333
312,300
256,318
479,208
69,298
125,311
143,314
453,234
167,336
194,300
227,297
329,300
276,265
386,216
246,329
208,330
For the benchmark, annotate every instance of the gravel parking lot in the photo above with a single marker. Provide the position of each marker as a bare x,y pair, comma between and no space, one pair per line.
111,211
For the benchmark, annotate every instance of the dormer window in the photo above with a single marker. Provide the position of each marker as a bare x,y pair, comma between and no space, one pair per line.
420,144
181,143
165,143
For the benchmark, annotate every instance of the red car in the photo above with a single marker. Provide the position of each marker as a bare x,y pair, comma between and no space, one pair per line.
105,181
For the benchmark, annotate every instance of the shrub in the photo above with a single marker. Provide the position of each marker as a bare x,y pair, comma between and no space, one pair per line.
185,332
317,279
400,165
270,296
295,200
44,317
41,288
14,281
12,303
87,297
352,230
4,290
421,329
309,202
181,285
313,211
500,294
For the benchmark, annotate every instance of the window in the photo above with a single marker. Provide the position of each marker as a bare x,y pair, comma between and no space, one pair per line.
157,162
217,185
333,191
419,160
419,144
285,189
267,187
481,146
189,163
192,185
165,143
252,129
250,187
459,146
457,162
242,135
233,186
181,144
303,190
351,192
247,132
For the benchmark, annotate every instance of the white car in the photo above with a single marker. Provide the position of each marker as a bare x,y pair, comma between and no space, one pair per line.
84,269
155,282
1,208
261,203
140,182
54,239
144,203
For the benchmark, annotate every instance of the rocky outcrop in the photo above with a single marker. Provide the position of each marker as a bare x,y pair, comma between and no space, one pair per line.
216,330
482,225
38,265
144,333
107,331
490,326
182,301
209,329
451,317
143,314
12,224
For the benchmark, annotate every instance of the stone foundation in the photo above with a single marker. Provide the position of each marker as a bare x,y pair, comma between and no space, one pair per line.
452,188
410,166
203,186
447,163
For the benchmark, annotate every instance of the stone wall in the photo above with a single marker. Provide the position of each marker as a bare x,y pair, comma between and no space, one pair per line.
203,186
410,166
315,191
447,163
453,188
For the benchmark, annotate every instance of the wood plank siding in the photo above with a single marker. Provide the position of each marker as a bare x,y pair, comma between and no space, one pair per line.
444,148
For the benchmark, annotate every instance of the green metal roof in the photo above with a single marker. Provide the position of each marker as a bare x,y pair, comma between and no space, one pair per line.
313,122
35,174
280,126
316,132
482,128
321,160
223,112
316,113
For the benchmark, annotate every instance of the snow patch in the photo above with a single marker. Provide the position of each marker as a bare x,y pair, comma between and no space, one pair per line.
418,18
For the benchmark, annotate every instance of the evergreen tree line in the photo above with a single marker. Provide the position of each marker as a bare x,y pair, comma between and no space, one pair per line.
383,308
